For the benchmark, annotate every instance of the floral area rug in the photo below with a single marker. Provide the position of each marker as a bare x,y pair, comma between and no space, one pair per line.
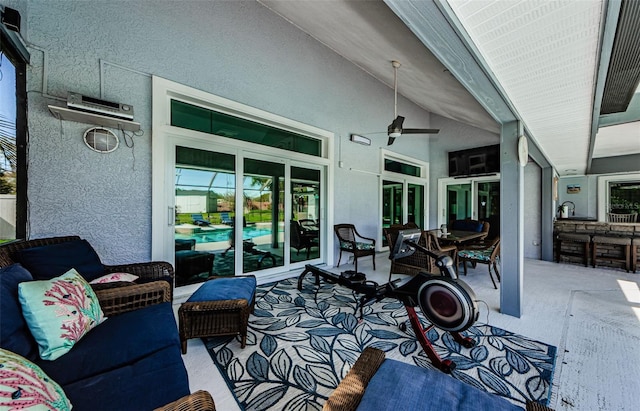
300,344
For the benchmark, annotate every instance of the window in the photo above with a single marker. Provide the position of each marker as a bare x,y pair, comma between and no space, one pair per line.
618,194
208,121
13,143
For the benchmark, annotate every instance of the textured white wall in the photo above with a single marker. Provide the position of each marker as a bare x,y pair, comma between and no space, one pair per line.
532,211
235,49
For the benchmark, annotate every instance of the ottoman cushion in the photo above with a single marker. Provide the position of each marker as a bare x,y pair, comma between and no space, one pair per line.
232,288
398,386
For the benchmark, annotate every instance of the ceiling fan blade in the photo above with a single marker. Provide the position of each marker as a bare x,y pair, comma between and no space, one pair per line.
391,140
420,131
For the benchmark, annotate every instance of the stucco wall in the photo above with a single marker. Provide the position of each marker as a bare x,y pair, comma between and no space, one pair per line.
238,50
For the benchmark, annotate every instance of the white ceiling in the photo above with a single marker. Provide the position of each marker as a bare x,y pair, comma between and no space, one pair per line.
544,54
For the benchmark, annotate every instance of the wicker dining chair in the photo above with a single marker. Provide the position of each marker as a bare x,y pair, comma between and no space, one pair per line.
350,241
489,255
413,264
434,244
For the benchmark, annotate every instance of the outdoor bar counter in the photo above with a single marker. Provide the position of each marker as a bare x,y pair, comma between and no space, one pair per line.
576,225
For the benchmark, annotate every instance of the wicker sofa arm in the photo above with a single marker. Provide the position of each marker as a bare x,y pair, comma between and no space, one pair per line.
152,270
198,401
117,300
351,389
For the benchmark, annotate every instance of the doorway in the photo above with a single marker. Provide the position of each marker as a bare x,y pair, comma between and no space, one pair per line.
476,198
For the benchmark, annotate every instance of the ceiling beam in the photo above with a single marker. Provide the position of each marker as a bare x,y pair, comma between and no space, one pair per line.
436,32
617,164
437,26
607,37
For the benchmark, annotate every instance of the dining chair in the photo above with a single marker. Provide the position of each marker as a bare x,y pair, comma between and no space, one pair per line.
434,245
350,241
415,263
489,255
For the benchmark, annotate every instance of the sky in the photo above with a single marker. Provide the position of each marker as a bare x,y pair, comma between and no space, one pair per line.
7,89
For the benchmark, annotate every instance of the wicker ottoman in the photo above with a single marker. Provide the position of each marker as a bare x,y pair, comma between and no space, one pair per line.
221,306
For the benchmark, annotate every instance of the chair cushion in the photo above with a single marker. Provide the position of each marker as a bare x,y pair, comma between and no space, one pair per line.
48,261
480,255
59,312
15,335
398,386
232,288
118,342
345,245
25,386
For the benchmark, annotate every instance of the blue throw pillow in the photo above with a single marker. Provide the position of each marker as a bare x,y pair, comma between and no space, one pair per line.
14,335
49,261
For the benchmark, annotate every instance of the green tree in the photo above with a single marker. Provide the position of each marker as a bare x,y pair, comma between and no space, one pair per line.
7,156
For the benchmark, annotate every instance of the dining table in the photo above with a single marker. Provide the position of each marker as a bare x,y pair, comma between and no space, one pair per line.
459,238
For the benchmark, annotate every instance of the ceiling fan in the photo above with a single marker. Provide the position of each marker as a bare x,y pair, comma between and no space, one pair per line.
395,129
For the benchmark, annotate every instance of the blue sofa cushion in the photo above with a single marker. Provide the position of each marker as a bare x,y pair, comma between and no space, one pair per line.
398,386
232,288
49,261
14,334
467,225
146,384
117,342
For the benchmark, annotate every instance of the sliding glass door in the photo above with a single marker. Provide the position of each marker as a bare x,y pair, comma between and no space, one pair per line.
477,198
400,199
225,231
262,233
305,232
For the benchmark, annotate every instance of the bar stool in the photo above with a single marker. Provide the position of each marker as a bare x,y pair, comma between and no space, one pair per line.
635,243
625,242
585,239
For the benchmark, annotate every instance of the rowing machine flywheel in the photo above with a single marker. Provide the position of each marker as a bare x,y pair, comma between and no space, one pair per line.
448,304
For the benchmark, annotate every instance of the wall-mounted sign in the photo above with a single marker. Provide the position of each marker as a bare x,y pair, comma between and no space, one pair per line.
573,188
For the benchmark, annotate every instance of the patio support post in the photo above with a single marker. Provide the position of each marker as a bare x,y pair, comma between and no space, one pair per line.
511,220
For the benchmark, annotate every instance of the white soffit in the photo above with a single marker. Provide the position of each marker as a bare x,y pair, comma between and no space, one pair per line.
545,55
370,35
616,140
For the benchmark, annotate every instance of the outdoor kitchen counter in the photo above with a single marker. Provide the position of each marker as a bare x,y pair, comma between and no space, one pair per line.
575,225
628,230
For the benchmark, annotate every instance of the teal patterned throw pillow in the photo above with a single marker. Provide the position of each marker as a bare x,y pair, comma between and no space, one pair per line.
23,385
59,312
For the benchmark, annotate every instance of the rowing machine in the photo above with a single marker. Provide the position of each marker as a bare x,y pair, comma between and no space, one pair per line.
447,302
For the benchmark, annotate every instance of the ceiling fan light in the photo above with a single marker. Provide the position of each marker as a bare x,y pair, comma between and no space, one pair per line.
395,134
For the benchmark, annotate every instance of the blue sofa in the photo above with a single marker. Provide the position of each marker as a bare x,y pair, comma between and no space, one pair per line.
131,361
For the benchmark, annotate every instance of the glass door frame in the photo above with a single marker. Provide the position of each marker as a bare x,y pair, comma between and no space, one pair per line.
405,180
443,183
167,137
